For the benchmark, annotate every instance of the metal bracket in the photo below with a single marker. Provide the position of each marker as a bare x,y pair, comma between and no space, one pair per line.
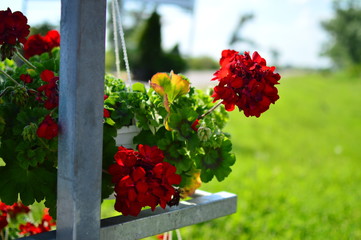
202,207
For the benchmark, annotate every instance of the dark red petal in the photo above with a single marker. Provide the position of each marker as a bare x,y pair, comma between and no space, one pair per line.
47,75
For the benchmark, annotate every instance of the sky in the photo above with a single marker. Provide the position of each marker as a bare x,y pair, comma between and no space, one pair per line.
290,27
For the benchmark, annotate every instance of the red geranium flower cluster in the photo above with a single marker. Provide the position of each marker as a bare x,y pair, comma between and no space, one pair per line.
26,78
10,211
49,92
245,82
37,44
46,223
48,128
13,30
49,95
142,178
106,112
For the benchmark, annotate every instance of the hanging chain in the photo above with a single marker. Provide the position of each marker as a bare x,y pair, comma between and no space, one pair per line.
122,40
115,38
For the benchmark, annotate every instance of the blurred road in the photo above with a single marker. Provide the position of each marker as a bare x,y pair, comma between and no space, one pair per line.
201,79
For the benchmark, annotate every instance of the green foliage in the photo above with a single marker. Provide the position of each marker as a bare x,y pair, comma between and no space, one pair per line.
29,169
181,145
29,163
344,47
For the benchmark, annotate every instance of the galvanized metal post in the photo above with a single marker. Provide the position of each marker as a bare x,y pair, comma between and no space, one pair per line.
80,119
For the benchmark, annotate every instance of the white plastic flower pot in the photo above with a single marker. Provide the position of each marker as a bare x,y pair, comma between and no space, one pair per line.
125,136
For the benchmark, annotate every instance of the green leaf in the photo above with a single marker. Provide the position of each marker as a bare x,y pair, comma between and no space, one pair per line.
2,163
145,137
33,185
206,175
139,87
170,86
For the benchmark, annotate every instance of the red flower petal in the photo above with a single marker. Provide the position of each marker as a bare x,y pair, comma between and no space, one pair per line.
48,129
47,75
245,82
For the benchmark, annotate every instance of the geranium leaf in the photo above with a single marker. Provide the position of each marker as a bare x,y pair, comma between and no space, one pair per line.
179,86
160,82
36,184
172,85
139,87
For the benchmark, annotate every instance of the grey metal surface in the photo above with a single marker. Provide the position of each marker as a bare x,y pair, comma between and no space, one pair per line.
42,236
80,118
148,223
203,207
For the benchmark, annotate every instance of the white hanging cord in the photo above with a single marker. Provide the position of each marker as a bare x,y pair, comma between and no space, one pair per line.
116,43
179,237
170,235
122,40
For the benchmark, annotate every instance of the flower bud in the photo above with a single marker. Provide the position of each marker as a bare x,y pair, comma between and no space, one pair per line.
142,105
29,132
204,133
20,95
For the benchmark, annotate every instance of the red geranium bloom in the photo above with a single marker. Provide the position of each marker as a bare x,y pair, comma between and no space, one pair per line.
37,44
195,124
48,129
26,78
125,157
17,208
151,154
106,113
53,39
13,27
3,221
245,82
49,93
142,179
46,223
11,211
29,228
13,31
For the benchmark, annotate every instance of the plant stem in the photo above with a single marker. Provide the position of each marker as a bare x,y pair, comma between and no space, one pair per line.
4,91
8,76
45,145
24,59
210,110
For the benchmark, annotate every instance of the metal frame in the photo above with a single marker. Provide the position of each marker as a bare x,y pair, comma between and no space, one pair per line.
82,61
80,147
202,207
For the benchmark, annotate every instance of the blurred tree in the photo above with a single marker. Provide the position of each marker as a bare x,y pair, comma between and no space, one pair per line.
236,35
42,28
344,47
203,63
149,45
149,57
142,32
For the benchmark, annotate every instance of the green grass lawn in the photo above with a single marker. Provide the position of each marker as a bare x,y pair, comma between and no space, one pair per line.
298,169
